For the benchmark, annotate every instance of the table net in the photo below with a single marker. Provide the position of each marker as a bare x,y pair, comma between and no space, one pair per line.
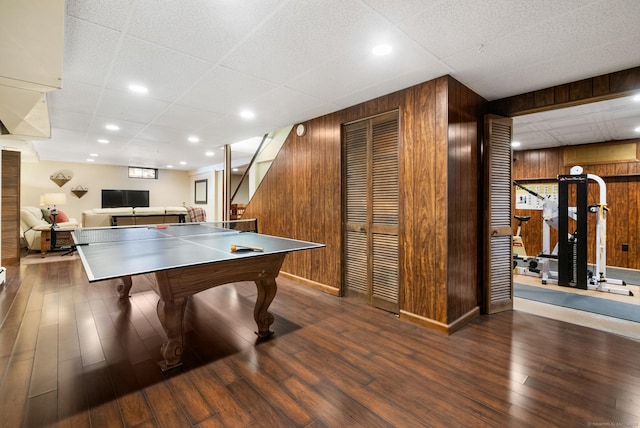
85,236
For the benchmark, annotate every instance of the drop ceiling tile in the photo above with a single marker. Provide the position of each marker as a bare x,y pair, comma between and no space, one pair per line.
187,118
225,91
74,97
205,29
88,52
70,120
111,14
120,105
128,129
303,35
165,72
159,133
554,38
353,72
282,102
61,144
451,27
400,10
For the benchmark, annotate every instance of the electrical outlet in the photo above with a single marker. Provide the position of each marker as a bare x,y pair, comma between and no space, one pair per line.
625,247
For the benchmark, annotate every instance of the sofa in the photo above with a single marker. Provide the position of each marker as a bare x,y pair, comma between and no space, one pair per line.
126,216
32,220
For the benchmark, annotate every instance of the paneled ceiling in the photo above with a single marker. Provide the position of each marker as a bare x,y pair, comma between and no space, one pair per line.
287,61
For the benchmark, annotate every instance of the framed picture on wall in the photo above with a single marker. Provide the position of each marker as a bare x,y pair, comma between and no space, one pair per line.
200,191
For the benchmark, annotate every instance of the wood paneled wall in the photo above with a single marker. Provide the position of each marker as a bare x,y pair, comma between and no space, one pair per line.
623,199
301,197
597,88
10,207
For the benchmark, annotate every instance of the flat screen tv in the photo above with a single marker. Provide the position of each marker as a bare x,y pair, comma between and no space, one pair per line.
125,198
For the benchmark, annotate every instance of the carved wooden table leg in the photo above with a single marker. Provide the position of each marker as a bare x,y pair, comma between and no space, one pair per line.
266,292
124,288
171,314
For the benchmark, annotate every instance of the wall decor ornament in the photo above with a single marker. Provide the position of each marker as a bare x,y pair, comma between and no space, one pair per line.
61,177
79,191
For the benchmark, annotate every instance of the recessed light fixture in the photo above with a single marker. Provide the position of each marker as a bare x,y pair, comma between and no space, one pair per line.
637,98
95,155
515,144
234,169
90,160
209,153
193,139
103,141
112,127
247,114
637,129
381,50
183,163
138,89
169,166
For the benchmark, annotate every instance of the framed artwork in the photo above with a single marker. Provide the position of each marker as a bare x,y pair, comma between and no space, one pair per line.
201,191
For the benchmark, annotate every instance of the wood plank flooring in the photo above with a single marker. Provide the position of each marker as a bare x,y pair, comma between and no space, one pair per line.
73,355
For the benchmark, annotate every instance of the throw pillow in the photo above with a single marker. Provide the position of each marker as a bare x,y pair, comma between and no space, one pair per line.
46,215
62,217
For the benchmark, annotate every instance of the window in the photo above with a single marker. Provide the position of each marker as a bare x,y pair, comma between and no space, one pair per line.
139,172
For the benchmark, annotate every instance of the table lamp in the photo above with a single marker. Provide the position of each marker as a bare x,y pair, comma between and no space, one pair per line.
54,199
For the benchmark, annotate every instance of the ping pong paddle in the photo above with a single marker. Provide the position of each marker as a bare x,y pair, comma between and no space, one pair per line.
235,248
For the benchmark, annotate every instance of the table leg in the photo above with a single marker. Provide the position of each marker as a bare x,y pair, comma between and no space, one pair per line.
124,288
266,292
171,314
45,241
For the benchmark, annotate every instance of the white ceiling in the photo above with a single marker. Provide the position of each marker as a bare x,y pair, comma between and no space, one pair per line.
610,120
291,60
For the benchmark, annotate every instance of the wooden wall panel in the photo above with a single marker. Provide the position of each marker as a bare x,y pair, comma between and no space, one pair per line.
606,86
301,197
10,207
464,176
623,199
420,289
441,206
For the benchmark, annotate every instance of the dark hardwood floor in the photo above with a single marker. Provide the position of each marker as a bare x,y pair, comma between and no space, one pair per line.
72,354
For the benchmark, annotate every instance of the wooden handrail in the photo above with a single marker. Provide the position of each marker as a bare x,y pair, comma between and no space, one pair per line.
246,171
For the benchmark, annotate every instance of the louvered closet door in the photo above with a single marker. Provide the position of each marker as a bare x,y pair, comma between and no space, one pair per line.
371,232
498,268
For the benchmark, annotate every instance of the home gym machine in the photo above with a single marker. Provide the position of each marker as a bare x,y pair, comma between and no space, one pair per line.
539,265
572,251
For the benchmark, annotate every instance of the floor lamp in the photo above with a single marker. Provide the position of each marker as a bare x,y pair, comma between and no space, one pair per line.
54,199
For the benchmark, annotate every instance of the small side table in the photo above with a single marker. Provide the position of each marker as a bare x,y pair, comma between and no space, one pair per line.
50,240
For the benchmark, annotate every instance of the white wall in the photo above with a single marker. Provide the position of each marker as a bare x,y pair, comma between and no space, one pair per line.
172,188
210,206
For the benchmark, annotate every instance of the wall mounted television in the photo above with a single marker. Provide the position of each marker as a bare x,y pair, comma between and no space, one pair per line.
125,198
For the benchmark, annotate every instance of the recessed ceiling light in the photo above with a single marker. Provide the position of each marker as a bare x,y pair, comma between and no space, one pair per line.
183,163
103,141
112,127
637,98
381,50
209,153
515,144
247,114
169,166
138,89
90,160
637,129
95,155
193,139
234,169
